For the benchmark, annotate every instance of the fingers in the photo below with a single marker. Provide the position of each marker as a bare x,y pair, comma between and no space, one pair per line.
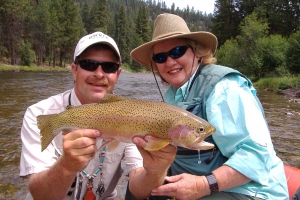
142,143
169,189
79,139
79,148
158,161
183,186
91,133
173,179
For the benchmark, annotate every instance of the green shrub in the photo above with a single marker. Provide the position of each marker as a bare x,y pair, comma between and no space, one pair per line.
272,51
293,53
279,83
27,55
228,55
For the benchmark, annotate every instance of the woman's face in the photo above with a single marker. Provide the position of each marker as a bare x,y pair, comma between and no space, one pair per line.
176,71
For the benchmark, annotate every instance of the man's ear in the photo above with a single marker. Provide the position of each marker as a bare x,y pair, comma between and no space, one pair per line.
119,72
74,71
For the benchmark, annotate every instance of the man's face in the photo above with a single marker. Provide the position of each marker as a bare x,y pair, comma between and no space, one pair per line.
91,87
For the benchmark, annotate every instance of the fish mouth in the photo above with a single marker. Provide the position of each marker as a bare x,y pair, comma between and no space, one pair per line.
198,140
211,130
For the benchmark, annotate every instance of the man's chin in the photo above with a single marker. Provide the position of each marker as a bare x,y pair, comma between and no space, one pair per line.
96,97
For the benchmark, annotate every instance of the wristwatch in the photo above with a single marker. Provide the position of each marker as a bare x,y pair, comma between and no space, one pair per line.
213,184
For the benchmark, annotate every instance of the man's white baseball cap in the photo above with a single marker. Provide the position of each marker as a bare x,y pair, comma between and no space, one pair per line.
93,38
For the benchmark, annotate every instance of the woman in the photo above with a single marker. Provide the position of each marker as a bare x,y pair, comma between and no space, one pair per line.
243,164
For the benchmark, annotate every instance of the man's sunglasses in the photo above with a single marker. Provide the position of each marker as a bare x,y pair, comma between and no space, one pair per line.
174,53
92,65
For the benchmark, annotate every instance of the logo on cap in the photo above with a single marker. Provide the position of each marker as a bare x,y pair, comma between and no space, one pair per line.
98,35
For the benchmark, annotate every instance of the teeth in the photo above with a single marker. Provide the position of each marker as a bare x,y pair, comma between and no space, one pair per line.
174,71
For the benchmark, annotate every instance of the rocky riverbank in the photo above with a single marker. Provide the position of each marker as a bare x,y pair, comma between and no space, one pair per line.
293,94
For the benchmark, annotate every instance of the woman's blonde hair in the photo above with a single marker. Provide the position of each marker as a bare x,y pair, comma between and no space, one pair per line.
202,51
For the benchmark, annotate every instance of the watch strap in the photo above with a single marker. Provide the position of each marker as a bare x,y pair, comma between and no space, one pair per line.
212,182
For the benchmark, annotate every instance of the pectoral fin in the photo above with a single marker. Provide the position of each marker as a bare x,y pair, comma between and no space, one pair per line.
155,144
110,145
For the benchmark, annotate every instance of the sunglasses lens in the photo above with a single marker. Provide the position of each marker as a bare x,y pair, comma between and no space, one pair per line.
177,52
88,65
174,53
110,67
91,65
160,57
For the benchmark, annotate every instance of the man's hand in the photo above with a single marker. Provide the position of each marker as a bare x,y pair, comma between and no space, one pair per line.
154,170
155,161
79,149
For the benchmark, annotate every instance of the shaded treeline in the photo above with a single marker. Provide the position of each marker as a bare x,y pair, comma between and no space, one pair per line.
46,31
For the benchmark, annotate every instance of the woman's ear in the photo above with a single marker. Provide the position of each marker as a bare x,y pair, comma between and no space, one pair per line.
200,60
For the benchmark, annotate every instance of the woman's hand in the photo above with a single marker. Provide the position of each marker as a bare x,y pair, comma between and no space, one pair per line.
183,186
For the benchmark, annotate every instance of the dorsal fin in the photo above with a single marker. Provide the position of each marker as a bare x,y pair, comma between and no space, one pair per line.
112,98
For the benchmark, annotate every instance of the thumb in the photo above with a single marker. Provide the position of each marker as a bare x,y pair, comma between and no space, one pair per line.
173,179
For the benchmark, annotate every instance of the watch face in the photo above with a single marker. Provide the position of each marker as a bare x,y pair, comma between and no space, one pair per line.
213,184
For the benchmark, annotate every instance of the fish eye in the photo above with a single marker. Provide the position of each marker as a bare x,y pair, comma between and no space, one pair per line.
201,129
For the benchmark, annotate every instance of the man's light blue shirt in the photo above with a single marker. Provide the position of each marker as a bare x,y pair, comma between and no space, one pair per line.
242,135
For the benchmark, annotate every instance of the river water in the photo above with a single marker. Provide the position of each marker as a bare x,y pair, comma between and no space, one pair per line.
18,90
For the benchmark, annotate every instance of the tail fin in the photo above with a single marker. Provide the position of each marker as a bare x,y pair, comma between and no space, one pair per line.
44,123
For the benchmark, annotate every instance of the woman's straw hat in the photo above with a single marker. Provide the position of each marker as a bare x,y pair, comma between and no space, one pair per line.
167,26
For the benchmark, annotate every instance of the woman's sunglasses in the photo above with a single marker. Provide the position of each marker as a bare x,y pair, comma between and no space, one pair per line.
174,53
92,65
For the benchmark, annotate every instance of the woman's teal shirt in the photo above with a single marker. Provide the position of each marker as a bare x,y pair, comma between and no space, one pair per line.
227,100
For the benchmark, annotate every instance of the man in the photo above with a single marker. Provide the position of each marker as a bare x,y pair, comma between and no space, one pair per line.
71,167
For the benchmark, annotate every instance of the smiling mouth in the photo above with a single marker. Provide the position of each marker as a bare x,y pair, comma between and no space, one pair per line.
174,71
99,84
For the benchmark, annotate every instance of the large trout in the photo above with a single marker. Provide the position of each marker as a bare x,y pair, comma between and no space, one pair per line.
119,118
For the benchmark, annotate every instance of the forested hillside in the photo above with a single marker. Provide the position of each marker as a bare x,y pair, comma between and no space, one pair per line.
46,31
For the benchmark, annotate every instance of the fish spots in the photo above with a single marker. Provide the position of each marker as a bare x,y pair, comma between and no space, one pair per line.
122,118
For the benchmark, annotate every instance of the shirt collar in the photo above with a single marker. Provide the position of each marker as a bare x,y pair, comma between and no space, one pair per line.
74,99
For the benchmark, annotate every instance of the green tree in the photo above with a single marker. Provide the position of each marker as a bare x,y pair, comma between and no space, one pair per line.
142,26
52,28
226,20
13,21
253,52
85,15
40,29
293,52
252,29
71,29
55,30
26,53
173,8
272,50
283,16
122,35
229,55
99,16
